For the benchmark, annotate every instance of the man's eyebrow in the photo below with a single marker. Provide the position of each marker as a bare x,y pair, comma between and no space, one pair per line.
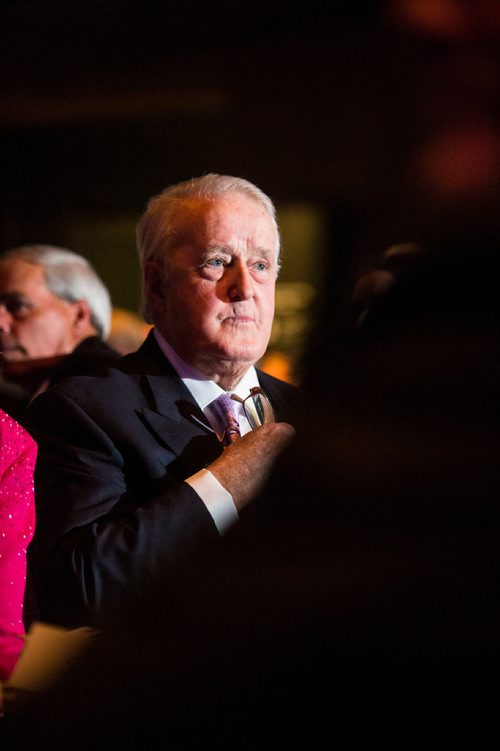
15,298
265,251
11,296
211,250
228,249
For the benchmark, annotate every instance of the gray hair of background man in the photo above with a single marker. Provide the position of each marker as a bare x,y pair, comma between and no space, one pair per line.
70,277
156,234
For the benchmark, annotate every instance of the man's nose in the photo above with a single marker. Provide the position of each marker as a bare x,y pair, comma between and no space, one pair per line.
240,283
5,320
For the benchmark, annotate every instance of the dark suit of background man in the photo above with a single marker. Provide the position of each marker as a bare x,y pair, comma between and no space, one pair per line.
132,479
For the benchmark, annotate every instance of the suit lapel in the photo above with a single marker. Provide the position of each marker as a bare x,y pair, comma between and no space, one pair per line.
177,418
173,416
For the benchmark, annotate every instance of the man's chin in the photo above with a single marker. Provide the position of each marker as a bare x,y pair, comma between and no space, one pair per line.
13,356
241,354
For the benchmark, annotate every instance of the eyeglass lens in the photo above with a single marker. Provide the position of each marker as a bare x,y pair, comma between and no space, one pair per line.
258,410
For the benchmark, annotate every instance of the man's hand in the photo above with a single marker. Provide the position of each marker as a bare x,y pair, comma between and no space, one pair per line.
245,465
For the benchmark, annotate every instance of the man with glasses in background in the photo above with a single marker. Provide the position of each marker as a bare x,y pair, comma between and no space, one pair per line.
148,463
55,315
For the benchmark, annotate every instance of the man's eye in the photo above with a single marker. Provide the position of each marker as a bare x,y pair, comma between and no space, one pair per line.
217,262
261,266
15,307
19,307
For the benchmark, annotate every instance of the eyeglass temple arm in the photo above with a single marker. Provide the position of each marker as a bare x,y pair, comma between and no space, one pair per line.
237,398
253,391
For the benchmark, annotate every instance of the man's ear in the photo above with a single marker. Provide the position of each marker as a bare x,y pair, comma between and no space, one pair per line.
82,318
154,277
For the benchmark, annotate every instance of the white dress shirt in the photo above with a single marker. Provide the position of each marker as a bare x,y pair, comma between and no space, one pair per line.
216,498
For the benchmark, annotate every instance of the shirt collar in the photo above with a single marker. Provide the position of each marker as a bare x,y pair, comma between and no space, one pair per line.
203,390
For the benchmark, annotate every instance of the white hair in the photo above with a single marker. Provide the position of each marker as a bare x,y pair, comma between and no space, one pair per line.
70,277
155,232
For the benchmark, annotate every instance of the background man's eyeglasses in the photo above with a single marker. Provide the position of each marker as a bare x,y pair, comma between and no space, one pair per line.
257,407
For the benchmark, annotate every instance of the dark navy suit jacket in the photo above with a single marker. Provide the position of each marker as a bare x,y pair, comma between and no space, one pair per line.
113,511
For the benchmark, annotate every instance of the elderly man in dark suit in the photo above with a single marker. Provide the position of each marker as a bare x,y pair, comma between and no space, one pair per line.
134,476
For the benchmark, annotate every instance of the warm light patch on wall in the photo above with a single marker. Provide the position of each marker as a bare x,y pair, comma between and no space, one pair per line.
304,231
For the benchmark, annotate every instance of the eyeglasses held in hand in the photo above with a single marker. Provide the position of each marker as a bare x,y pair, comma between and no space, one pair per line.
257,407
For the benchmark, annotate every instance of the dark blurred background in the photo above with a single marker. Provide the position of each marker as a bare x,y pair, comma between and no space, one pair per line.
368,123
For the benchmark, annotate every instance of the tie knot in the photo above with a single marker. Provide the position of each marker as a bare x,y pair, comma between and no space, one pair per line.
224,410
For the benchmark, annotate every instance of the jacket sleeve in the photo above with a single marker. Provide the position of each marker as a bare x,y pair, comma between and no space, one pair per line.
106,526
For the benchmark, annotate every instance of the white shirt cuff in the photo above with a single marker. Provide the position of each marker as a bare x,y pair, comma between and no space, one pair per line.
216,498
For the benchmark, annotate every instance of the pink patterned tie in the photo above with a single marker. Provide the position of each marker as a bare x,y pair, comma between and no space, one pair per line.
223,408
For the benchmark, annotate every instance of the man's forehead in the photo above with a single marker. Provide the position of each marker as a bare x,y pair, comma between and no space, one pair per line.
19,267
192,209
17,274
203,219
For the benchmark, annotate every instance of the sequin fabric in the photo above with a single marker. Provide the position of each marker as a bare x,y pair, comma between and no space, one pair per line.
17,522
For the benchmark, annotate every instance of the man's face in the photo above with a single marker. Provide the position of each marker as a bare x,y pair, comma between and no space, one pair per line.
34,323
214,299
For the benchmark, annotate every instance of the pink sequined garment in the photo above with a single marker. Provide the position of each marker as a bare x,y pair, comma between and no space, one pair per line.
17,520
